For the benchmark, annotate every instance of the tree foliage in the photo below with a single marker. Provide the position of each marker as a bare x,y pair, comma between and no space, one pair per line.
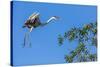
85,36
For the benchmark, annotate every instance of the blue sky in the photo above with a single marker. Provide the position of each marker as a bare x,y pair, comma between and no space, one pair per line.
45,49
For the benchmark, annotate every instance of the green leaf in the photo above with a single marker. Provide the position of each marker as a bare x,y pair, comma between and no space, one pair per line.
85,36
60,40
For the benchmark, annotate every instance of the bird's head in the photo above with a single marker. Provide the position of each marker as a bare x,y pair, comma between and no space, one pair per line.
55,17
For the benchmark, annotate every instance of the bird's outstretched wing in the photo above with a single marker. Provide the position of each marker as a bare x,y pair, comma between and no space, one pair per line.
30,17
33,16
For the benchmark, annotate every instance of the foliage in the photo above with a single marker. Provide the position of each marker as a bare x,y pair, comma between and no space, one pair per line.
85,36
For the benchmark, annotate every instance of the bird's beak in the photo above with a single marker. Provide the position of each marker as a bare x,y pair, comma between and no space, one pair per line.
57,17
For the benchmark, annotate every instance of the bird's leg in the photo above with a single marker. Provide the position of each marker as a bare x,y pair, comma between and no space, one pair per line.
31,29
29,42
24,41
28,39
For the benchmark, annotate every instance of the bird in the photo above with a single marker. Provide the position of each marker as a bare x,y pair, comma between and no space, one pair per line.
34,21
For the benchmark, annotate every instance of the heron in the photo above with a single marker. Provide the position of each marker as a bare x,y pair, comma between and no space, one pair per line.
34,21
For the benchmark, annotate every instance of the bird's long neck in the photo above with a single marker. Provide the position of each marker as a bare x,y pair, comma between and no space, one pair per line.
50,19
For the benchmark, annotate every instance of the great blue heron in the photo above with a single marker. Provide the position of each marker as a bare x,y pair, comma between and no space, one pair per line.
34,21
